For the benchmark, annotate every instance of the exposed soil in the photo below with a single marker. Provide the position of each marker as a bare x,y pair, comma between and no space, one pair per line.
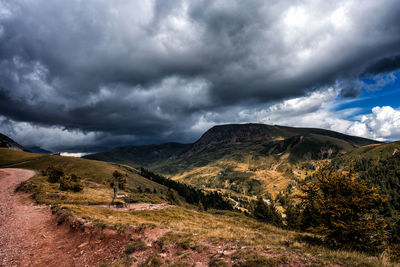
31,236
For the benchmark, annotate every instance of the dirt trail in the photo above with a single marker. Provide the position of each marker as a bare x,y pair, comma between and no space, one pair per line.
136,207
30,236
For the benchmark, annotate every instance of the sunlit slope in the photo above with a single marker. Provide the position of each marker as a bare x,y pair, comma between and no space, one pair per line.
217,138
223,228
244,158
91,170
378,165
376,151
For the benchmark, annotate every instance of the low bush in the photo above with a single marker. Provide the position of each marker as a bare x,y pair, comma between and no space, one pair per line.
217,261
54,174
71,183
152,261
135,246
184,240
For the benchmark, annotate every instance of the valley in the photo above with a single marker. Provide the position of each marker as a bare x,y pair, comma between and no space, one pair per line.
188,222
249,159
199,133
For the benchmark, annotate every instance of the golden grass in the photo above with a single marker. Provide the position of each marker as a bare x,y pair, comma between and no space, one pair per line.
49,193
9,156
94,173
212,226
224,226
272,180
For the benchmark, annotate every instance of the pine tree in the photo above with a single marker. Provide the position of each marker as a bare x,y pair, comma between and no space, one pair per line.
344,209
267,212
200,206
119,179
293,217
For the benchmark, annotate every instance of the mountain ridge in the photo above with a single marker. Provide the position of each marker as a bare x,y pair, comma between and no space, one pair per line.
251,158
7,142
218,136
239,133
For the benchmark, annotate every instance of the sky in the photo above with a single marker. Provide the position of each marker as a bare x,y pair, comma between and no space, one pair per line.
86,76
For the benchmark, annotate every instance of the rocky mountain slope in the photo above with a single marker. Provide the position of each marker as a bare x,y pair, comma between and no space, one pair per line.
7,142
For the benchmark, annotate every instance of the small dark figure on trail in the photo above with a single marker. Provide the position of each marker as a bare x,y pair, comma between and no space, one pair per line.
118,182
115,194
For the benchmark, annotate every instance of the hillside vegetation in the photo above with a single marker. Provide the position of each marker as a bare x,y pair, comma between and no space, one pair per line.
380,166
250,159
248,241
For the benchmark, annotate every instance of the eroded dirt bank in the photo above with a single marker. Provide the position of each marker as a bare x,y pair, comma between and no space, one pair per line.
31,236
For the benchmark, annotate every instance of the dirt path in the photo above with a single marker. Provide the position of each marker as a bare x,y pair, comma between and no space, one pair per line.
136,207
30,236
20,163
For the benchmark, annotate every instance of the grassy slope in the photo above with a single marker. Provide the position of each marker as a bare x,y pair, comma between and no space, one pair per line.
255,167
92,172
214,226
376,151
267,164
9,157
378,166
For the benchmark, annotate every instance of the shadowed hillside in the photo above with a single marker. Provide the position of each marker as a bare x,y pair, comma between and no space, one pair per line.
7,142
138,156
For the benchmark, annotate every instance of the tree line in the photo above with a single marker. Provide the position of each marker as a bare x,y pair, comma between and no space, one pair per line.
191,194
335,204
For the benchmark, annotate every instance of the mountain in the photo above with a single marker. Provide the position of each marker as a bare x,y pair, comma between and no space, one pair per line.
277,137
250,158
138,156
7,142
38,150
242,133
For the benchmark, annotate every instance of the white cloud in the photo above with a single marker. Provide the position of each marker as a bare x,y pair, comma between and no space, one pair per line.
382,124
49,138
317,110
76,155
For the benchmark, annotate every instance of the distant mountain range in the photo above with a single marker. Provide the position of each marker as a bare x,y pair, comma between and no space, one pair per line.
315,143
239,157
38,150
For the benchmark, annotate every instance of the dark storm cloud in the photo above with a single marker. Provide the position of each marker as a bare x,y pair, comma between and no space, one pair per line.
387,64
351,88
142,71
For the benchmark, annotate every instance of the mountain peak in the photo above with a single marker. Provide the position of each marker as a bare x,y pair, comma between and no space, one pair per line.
256,132
232,134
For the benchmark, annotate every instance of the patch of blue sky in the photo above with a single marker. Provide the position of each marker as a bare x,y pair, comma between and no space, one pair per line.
380,90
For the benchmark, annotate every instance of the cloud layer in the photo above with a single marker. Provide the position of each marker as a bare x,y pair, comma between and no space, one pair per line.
114,72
